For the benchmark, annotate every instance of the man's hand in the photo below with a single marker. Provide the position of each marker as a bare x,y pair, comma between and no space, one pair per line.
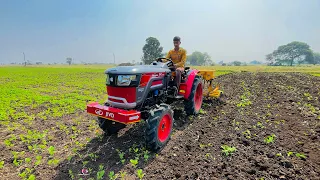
180,69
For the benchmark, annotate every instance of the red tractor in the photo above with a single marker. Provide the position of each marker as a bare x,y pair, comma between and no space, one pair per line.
146,92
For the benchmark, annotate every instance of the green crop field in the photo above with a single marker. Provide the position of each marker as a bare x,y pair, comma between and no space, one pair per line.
43,120
36,104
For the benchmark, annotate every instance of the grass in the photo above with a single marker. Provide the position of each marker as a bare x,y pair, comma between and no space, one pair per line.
301,155
228,150
34,101
58,91
140,173
269,139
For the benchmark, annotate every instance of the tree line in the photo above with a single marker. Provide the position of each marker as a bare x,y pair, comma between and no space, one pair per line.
293,53
153,50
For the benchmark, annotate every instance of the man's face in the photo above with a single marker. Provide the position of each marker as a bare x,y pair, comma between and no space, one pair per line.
176,43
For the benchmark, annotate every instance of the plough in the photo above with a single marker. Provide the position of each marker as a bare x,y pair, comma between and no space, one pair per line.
208,77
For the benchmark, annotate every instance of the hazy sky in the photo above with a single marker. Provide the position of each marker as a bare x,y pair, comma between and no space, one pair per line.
91,30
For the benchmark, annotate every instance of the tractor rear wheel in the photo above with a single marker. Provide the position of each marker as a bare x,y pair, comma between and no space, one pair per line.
193,105
109,127
159,127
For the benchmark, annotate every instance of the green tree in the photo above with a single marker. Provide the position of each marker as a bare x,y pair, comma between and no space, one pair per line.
151,50
69,60
236,63
198,59
308,58
255,62
287,54
207,59
316,58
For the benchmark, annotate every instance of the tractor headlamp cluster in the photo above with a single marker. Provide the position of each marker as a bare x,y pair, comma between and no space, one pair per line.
107,79
125,80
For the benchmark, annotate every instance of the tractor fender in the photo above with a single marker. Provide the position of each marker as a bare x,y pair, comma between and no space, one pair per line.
191,76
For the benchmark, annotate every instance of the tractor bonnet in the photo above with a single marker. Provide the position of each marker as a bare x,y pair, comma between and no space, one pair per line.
137,69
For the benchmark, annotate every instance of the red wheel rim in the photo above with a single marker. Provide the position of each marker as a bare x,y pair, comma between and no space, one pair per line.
198,97
164,128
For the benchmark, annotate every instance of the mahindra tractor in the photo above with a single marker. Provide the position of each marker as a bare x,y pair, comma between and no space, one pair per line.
147,92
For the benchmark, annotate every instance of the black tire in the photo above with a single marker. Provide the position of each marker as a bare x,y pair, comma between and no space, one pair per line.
110,127
159,117
190,104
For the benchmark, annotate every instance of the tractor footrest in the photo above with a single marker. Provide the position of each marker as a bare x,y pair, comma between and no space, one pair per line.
113,114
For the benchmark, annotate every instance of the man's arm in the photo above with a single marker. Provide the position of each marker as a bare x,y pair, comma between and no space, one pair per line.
183,59
168,55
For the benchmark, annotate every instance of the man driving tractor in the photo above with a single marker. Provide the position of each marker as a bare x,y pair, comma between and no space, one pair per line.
178,56
152,97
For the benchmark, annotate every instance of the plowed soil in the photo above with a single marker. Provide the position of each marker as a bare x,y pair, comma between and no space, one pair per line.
256,106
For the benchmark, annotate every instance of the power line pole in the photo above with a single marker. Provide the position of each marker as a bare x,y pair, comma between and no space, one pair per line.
24,59
114,59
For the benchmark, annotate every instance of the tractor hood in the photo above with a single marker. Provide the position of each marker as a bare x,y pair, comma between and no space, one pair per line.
140,69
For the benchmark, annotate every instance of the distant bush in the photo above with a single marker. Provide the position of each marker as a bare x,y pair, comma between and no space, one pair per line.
236,63
126,64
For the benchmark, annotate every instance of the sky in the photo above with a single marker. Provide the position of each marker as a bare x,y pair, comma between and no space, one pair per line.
93,30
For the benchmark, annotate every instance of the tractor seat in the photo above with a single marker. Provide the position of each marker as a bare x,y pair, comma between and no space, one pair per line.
186,68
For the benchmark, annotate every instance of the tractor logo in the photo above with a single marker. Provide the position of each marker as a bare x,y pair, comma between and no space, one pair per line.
133,118
157,75
99,112
109,115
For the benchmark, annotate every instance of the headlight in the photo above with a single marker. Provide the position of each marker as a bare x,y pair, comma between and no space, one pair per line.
125,80
107,81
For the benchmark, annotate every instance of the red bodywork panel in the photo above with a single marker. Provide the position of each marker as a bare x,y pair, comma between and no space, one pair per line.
147,76
129,93
183,89
188,85
157,82
114,114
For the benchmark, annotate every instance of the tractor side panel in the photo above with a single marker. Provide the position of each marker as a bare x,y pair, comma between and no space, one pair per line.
182,90
188,85
152,81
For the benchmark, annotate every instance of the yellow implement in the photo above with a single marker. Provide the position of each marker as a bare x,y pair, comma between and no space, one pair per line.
208,76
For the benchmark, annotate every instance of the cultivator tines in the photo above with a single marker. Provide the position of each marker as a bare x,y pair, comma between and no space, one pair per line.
208,76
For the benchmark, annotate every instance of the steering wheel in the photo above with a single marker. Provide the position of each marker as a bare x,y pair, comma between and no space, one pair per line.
169,62
161,59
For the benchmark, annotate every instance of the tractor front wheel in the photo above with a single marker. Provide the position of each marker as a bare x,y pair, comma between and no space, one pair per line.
159,127
193,105
110,127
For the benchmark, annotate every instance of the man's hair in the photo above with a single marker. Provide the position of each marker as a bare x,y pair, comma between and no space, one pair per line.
176,38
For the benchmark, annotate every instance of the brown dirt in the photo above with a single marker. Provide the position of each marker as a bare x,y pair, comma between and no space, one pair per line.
283,104
183,158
